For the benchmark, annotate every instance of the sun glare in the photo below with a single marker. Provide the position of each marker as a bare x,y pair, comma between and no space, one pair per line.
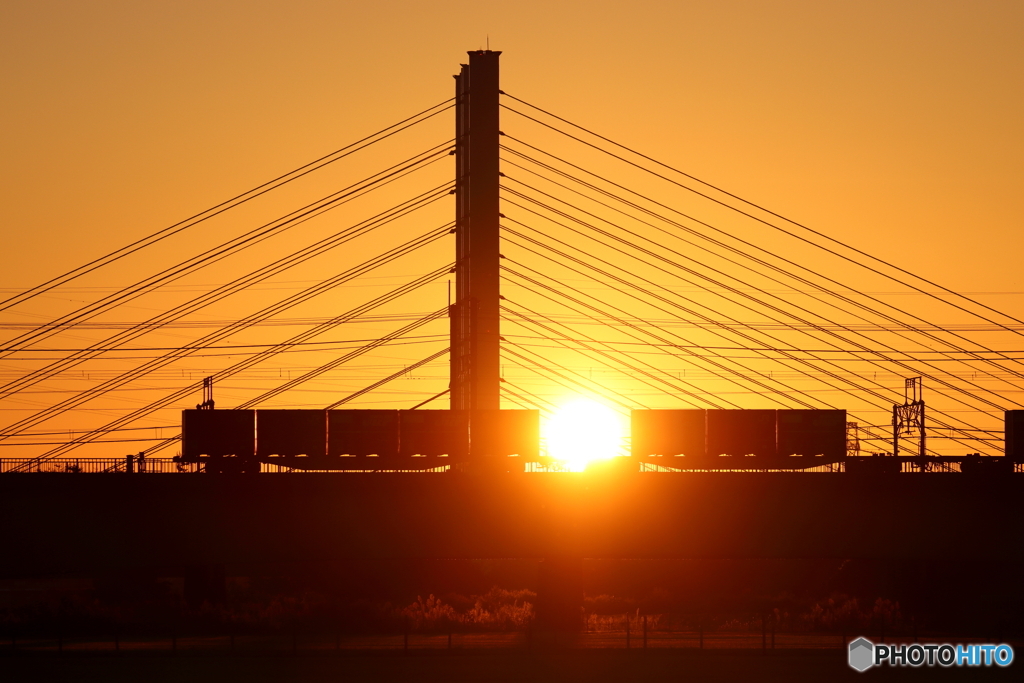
582,432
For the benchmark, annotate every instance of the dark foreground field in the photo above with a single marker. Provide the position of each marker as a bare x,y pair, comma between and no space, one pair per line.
591,666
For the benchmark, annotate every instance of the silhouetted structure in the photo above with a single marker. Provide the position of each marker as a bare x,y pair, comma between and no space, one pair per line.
354,439
908,419
739,439
475,317
1013,425
220,435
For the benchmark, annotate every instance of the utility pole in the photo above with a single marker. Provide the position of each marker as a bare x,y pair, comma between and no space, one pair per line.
475,316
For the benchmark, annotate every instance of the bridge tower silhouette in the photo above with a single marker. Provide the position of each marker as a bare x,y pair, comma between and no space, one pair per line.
475,316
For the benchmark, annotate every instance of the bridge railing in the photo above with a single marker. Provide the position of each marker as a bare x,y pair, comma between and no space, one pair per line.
95,466
169,466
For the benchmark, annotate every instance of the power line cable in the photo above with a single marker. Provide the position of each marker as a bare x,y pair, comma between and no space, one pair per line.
242,198
232,246
331,365
781,271
289,302
531,398
440,313
278,266
729,375
655,376
770,212
233,369
238,349
741,294
561,291
609,277
603,392
376,385
741,241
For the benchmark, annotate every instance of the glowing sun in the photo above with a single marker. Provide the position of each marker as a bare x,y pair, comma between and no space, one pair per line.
582,432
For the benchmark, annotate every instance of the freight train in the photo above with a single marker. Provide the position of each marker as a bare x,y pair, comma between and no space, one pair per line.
398,440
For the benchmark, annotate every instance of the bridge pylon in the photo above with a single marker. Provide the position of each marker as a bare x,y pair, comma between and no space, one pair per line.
475,314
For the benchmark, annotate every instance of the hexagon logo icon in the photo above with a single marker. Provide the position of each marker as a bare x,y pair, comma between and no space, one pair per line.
862,654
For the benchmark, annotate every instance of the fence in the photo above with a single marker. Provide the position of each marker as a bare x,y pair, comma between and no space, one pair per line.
96,465
169,466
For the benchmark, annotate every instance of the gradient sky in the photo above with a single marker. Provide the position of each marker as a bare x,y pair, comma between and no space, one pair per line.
893,126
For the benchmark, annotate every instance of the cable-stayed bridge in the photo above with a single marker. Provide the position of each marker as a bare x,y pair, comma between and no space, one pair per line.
554,262
602,271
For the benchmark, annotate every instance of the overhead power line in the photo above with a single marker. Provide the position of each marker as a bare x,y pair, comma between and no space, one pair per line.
652,374
631,243
233,246
772,213
668,266
65,432
192,388
436,315
294,300
741,252
229,350
290,385
788,393
402,373
218,209
222,292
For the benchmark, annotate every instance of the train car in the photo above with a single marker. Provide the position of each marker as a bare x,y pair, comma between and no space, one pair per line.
291,434
363,438
433,433
738,439
816,435
224,439
733,436
502,433
673,438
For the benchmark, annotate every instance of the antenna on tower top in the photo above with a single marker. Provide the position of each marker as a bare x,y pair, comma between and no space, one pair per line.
488,42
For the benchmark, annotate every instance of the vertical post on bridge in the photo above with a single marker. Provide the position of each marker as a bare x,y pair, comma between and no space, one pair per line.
475,363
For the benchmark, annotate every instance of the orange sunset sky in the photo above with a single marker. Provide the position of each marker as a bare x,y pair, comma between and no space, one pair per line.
894,127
